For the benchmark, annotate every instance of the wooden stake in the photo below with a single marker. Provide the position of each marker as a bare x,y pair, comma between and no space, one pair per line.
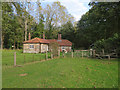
46,55
72,54
77,54
82,54
51,56
93,53
90,52
14,58
109,57
103,51
58,52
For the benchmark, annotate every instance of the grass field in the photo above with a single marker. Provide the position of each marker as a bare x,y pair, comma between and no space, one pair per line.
63,73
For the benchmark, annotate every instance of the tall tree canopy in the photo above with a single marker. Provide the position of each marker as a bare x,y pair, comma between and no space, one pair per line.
100,22
20,18
55,16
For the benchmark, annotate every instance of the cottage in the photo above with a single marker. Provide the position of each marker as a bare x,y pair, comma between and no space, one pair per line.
38,45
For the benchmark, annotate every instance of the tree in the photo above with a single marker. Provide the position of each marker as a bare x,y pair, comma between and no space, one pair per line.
13,24
39,27
100,22
7,21
55,15
68,31
109,45
54,47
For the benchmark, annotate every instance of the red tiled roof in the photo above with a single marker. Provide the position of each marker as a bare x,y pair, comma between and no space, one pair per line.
64,42
52,40
37,40
61,42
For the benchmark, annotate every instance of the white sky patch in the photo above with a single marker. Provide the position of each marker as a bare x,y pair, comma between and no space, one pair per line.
75,7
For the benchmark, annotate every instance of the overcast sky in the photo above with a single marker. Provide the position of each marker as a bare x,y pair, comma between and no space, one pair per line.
75,7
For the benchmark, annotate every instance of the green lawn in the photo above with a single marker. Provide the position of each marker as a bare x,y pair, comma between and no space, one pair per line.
63,73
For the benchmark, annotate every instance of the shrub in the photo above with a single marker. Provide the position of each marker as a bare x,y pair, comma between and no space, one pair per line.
54,46
111,44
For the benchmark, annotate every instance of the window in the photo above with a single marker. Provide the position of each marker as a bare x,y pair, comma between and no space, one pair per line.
31,46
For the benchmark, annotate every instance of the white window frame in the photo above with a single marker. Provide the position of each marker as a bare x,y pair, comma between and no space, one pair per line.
31,46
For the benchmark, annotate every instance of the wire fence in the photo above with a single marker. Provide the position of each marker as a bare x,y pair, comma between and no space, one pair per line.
23,58
18,58
79,54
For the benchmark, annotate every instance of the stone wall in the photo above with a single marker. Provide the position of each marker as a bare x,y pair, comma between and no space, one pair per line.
27,49
44,47
41,48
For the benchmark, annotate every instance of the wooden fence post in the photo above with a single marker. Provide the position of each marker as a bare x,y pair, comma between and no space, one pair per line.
77,54
14,58
46,56
58,52
51,56
82,54
90,52
93,53
109,57
85,54
72,54
103,51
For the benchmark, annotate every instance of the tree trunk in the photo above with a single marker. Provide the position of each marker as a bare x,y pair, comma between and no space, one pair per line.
26,30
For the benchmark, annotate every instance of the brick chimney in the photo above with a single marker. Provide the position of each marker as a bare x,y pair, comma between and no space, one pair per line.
59,36
29,36
43,36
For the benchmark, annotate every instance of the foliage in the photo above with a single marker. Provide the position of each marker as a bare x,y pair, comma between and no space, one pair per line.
100,22
68,31
55,16
18,20
111,44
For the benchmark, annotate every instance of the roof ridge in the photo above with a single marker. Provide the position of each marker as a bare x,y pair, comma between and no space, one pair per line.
38,39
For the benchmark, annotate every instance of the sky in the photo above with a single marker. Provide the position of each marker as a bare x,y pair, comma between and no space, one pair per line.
75,7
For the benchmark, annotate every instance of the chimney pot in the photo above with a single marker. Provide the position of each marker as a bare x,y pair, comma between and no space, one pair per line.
59,36
29,36
43,36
